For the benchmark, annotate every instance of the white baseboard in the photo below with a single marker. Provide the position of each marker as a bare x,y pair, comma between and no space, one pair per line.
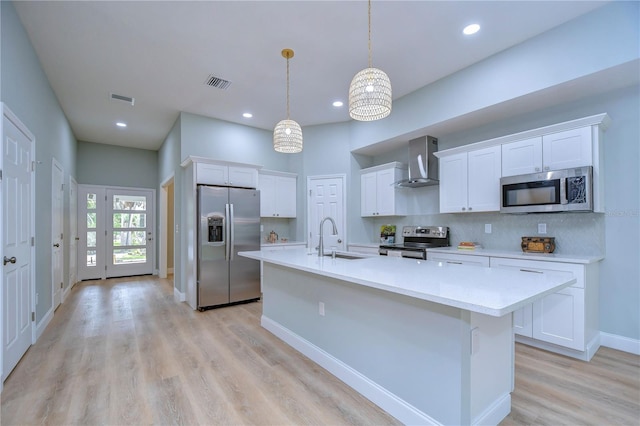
44,322
620,343
495,413
179,296
380,396
169,270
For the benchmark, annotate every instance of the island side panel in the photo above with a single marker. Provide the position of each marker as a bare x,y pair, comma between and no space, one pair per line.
418,351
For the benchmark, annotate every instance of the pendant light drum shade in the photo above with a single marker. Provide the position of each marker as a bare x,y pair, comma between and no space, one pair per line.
370,95
287,137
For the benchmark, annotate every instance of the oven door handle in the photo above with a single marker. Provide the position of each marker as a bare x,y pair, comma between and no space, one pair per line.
413,254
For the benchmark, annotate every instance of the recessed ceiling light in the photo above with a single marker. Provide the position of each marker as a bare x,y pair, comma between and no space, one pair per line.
471,29
247,115
337,104
121,124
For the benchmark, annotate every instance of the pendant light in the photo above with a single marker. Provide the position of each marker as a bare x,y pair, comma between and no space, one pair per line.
287,136
370,91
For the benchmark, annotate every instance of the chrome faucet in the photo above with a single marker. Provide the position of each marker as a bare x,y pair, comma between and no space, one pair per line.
321,242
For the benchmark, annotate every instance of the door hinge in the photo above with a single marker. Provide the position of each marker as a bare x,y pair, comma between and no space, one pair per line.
33,316
61,285
309,193
33,241
33,166
62,188
62,236
0,175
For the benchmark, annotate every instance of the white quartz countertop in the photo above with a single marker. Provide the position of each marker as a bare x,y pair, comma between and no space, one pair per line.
283,244
547,257
489,291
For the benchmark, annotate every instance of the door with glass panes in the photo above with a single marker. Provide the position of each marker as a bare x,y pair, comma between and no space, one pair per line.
115,232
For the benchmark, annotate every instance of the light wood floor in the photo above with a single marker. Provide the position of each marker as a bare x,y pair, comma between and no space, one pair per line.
122,351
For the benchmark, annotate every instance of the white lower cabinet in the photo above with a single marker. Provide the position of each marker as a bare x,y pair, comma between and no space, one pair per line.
567,318
566,321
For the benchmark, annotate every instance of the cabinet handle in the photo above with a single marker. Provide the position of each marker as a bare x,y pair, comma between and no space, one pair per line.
454,263
56,245
531,270
464,208
537,169
470,208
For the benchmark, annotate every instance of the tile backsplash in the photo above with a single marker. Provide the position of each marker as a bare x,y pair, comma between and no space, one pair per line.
574,233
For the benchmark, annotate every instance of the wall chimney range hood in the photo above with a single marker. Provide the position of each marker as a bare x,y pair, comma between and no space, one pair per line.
423,164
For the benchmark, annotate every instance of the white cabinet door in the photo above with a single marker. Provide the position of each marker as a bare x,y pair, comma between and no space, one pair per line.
484,171
385,193
212,174
470,181
522,157
286,196
267,187
568,149
453,183
378,196
278,195
245,177
559,318
368,194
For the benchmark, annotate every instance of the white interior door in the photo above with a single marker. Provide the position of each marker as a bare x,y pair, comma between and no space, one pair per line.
57,249
326,198
73,232
130,232
17,232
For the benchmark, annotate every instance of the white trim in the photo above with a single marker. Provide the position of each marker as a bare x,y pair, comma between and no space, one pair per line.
495,413
163,236
195,159
620,343
179,296
590,348
42,325
380,396
392,165
601,120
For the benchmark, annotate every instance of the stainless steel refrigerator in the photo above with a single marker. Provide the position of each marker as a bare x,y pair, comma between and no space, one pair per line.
229,222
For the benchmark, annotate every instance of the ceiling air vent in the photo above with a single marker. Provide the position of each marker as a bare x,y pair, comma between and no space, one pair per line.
126,99
217,82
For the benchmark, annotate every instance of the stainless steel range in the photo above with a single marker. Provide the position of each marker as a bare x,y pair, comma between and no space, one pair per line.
416,241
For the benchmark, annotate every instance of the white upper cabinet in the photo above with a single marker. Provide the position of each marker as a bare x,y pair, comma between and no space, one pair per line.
470,181
522,157
556,151
278,194
564,150
378,195
226,175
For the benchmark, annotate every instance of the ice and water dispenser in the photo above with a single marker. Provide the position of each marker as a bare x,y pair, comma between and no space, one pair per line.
216,229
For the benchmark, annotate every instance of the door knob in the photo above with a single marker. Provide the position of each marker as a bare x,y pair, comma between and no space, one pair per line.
12,260
56,245
339,240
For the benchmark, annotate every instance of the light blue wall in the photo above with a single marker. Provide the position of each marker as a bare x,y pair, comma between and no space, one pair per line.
605,38
26,91
111,165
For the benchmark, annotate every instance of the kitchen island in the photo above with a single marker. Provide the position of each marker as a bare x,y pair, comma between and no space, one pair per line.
428,343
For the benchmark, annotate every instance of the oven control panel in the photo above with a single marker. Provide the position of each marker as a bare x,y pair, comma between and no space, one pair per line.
425,231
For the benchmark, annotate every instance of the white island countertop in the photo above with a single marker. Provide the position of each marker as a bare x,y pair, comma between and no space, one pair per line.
489,291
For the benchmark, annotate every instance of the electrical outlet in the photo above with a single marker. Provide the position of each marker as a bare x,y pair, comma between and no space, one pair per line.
487,228
321,308
542,228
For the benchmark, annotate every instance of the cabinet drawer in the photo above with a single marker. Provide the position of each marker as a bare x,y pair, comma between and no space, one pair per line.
461,259
540,266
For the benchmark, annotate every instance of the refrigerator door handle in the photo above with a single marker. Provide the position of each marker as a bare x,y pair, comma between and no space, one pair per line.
227,214
232,237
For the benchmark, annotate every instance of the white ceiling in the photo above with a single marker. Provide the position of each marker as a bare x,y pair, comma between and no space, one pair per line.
162,52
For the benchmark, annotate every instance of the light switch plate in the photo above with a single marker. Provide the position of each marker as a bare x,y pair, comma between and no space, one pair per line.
487,228
542,228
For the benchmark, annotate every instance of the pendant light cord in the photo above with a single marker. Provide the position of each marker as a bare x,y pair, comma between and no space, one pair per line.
287,88
369,33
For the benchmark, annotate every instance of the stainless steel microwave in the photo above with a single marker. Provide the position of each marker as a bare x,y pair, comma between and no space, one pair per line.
553,191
